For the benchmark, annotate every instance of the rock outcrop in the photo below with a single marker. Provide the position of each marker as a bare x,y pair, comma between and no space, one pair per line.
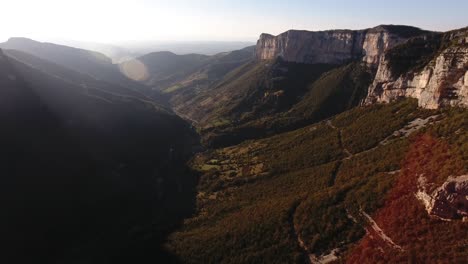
442,80
333,46
447,202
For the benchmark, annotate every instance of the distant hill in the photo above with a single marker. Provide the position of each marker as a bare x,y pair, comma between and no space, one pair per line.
81,79
186,47
117,53
88,62
166,67
166,71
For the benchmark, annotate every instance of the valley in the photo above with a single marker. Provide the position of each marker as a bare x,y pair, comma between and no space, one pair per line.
319,189
337,146
89,167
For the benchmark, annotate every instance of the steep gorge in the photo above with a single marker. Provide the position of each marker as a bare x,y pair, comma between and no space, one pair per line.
339,170
91,172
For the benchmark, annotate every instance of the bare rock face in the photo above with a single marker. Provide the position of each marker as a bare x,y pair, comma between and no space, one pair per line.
377,41
449,201
443,81
333,46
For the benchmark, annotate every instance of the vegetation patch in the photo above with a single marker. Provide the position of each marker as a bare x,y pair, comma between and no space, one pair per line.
300,193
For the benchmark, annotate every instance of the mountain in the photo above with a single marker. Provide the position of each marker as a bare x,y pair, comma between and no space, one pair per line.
343,146
295,79
165,67
116,53
336,146
87,62
348,182
431,68
167,72
185,47
88,175
89,83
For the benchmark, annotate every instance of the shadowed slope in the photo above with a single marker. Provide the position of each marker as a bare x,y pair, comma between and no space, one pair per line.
93,178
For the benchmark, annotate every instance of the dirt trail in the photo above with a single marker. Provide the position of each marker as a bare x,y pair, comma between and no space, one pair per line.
377,230
411,127
340,140
339,162
333,255
295,234
310,258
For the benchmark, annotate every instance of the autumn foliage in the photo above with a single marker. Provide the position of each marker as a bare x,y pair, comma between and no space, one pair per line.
403,218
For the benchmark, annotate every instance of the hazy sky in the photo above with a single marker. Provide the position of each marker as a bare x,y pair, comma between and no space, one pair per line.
113,21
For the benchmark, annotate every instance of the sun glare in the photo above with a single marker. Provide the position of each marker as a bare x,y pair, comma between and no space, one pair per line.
135,70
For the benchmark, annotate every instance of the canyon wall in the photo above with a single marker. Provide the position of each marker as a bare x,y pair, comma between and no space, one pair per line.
441,81
409,62
333,46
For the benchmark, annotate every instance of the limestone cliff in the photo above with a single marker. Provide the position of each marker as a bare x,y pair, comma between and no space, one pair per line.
333,46
433,70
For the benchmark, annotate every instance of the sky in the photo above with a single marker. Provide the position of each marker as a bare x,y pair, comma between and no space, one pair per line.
116,21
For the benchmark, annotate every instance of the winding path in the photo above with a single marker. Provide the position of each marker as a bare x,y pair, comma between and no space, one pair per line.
339,162
295,234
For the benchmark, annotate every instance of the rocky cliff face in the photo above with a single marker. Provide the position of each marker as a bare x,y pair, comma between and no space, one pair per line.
431,67
441,80
447,202
334,46
378,40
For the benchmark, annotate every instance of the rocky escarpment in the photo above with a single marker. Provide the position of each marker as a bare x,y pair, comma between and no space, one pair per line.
447,202
333,46
433,70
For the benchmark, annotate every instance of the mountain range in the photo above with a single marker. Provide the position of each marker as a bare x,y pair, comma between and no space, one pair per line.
309,147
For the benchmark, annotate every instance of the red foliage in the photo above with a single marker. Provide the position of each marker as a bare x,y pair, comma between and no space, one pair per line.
403,218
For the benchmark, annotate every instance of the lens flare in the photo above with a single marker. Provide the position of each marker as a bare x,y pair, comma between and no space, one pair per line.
135,70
